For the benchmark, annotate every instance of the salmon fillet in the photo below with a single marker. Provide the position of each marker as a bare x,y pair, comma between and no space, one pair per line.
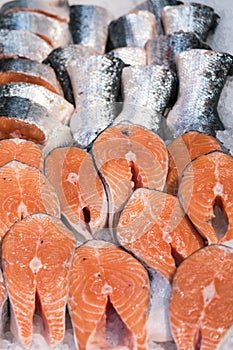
108,302
36,257
206,195
201,304
24,191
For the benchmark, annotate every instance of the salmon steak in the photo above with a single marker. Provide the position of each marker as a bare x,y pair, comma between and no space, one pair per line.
24,191
36,258
21,150
128,157
22,118
115,295
54,32
201,303
159,235
55,104
58,9
80,190
3,303
19,43
183,150
27,71
205,192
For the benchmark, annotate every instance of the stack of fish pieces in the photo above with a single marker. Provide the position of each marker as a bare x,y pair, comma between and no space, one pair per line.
33,109
32,101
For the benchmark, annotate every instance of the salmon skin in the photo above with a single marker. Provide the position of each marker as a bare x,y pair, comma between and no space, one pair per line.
56,8
41,273
89,26
182,151
54,32
195,18
18,43
55,104
96,84
60,58
3,305
133,29
156,6
200,87
27,71
127,157
163,48
147,91
133,56
21,118
209,294
23,151
210,209
21,199
80,191
118,297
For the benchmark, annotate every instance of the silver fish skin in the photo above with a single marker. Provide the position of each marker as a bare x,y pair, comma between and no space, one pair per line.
96,84
155,7
89,26
60,58
54,8
133,56
133,29
202,75
54,32
3,306
60,136
147,91
20,69
18,43
22,118
55,105
195,18
163,48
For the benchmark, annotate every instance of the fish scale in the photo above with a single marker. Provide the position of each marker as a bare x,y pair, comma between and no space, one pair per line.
96,84
147,91
202,75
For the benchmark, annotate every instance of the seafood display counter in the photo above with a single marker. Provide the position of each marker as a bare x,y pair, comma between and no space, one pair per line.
116,188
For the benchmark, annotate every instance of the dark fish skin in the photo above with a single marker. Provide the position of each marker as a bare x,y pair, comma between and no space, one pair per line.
195,18
147,91
163,48
155,7
21,118
202,75
56,8
59,60
56,105
89,26
19,69
54,32
18,43
133,29
96,84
